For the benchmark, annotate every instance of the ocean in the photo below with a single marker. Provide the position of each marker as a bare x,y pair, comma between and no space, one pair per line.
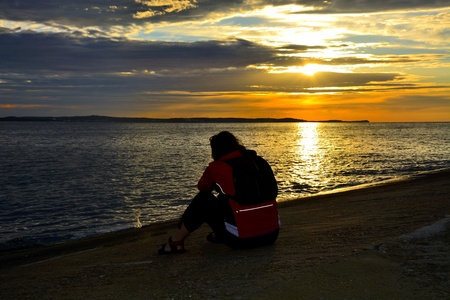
61,181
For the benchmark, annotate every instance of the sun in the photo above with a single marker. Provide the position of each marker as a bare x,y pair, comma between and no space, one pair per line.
311,69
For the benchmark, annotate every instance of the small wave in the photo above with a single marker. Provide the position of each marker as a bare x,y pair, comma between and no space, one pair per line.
299,186
26,242
98,232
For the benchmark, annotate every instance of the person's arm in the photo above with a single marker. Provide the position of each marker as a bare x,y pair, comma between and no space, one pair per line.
206,181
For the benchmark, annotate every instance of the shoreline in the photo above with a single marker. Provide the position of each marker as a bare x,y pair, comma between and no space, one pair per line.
337,245
402,178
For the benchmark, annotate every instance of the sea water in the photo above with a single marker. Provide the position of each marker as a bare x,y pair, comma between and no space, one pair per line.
62,181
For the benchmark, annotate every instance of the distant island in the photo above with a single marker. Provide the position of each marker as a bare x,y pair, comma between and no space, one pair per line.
171,120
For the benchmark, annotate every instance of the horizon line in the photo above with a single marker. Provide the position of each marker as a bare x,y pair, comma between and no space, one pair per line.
98,118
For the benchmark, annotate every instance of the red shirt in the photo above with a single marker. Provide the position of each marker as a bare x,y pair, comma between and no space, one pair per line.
220,173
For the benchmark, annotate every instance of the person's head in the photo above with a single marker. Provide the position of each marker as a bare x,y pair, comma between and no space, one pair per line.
224,143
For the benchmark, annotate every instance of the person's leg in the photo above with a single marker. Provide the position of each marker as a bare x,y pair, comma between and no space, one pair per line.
203,208
181,233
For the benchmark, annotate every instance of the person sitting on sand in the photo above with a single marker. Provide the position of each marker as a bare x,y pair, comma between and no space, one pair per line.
244,213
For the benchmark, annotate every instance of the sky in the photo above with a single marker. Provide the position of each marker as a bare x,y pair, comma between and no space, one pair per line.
376,60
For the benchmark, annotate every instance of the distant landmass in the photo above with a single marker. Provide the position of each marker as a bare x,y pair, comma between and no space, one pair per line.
153,120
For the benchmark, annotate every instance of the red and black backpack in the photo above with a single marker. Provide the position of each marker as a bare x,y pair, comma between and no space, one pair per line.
254,207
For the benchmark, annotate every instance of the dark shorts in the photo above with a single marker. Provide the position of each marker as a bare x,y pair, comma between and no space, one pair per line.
206,208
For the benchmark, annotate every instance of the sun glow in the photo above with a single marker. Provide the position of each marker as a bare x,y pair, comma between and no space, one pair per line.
311,69
308,69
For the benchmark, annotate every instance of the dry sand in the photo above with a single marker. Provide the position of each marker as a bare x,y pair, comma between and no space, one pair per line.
343,245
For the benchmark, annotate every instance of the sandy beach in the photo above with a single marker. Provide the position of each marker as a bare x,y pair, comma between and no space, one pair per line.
356,244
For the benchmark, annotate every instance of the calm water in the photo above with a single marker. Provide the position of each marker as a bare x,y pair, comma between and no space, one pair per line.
62,181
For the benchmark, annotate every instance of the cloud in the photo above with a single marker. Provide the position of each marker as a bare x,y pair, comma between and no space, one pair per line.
410,29
64,52
71,66
161,7
373,60
109,13
221,65
418,102
363,6
69,53
84,13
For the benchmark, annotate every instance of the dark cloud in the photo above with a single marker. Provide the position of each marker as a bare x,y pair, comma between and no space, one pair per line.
48,52
301,48
62,54
47,59
125,12
106,13
31,52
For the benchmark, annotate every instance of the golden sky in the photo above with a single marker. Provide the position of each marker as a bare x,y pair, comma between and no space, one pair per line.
316,60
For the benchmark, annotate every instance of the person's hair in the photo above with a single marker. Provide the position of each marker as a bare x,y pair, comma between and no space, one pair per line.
224,143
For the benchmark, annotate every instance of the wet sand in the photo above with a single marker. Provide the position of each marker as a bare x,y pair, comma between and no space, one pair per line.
343,245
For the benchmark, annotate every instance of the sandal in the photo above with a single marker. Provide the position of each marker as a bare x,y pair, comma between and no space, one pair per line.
175,247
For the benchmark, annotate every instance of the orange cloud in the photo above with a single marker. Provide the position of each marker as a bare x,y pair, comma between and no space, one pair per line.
22,105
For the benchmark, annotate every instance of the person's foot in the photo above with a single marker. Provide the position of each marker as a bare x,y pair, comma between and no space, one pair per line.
172,247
